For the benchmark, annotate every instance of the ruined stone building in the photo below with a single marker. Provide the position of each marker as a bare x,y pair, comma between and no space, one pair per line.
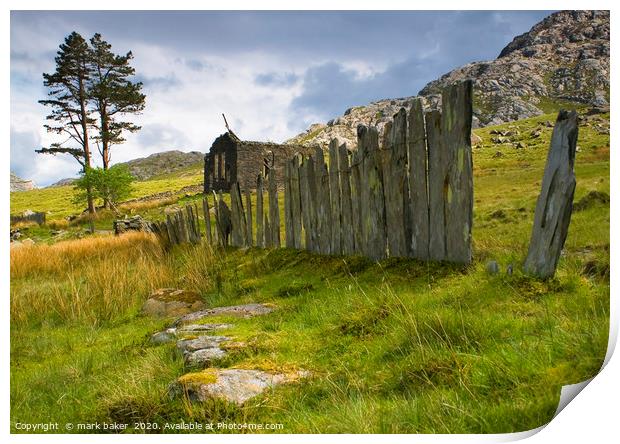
231,159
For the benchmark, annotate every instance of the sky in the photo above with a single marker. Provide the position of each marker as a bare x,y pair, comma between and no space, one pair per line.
271,73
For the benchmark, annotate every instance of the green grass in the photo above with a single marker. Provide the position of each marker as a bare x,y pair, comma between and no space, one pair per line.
398,346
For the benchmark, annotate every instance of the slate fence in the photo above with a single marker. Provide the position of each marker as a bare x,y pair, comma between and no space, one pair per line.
410,197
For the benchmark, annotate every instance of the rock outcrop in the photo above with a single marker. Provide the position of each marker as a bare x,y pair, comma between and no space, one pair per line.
19,184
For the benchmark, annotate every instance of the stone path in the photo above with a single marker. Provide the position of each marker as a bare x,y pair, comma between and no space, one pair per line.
201,348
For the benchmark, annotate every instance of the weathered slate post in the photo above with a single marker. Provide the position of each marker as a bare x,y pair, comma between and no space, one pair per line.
260,234
418,206
238,216
235,236
323,213
347,233
334,193
396,190
356,208
555,202
268,232
207,216
372,201
274,211
172,234
288,216
249,241
314,203
304,191
437,178
456,134
296,200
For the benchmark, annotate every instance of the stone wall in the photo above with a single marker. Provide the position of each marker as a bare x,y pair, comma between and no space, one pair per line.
232,160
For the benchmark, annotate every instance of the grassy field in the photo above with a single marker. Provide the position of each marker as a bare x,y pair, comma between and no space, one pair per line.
396,346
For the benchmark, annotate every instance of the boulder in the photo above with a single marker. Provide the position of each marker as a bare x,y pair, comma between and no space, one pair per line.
232,385
171,302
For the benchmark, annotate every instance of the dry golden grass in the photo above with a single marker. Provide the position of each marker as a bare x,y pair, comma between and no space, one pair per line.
89,280
23,224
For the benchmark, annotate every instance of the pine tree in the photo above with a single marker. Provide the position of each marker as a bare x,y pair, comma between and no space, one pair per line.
68,98
114,94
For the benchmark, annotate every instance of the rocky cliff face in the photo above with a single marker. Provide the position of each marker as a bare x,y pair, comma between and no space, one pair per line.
18,184
562,61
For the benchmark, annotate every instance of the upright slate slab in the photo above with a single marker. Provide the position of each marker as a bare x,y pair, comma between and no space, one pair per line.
456,134
356,207
323,209
288,216
314,203
555,202
437,178
207,215
372,201
396,187
260,234
419,202
274,211
304,190
249,241
335,196
347,232
296,201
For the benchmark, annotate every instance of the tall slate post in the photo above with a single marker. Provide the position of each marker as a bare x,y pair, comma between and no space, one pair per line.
249,241
437,179
347,232
274,210
296,201
356,207
335,197
419,205
306,210
207,216
323,210
456,134
555,202
372,201
396,187
260,234
288,215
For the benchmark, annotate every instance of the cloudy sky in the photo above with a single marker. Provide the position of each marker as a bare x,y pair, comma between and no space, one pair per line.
271,73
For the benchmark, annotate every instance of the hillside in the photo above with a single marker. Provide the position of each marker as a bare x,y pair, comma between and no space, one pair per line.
156,165
562,61
166,162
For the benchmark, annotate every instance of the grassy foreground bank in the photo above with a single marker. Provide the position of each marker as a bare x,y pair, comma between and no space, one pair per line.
398,346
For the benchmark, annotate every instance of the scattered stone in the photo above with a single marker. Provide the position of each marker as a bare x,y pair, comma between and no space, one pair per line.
169,302
163,337
498,154
232,385
519,145
135,223
245,311
200,343
203,357
27,241
194,328
492,267
509,269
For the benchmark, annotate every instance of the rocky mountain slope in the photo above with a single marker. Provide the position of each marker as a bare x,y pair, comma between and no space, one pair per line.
19,184
561,61
166,162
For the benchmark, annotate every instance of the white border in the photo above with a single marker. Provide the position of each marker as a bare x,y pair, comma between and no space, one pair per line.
592,417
